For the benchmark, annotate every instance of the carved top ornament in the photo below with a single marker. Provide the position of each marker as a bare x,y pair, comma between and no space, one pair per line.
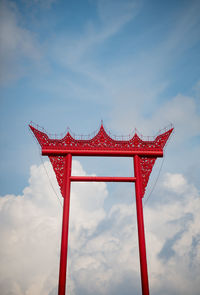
102,142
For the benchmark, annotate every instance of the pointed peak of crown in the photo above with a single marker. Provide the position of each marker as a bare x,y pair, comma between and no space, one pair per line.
102,128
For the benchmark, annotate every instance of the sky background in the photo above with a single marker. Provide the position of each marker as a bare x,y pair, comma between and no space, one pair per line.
132,64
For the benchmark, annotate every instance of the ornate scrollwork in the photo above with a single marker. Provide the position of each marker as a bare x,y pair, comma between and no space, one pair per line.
146,165
58,163
102,141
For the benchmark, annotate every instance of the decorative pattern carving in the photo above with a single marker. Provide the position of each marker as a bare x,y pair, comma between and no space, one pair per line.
146,165
102,141
58,163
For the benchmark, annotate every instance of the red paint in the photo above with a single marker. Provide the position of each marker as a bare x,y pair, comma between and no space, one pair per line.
65,227
102,179
141,234
102,145
60,152
100,153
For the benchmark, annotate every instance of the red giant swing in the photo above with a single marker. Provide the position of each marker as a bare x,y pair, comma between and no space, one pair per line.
144,154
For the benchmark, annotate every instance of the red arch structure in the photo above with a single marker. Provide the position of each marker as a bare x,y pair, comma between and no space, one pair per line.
144,154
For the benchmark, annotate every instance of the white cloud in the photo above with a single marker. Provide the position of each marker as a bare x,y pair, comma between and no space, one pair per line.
31,227
176,183
181,110
46,4
196,90
185,33
103,248
173,240
75,52
18,45
117,12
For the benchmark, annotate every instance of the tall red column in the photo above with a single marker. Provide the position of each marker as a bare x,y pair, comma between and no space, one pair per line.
65,226
141,234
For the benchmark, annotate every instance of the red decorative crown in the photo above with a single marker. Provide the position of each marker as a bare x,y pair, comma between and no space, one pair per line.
102,144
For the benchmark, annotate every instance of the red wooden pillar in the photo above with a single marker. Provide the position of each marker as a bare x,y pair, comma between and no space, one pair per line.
65,225
140,223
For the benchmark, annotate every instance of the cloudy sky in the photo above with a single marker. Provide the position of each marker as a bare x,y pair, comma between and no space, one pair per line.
132,64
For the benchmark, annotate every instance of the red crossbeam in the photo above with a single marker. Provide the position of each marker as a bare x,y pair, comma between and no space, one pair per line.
104,153
102,178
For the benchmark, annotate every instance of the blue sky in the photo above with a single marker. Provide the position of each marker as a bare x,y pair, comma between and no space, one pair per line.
65,63
131,63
